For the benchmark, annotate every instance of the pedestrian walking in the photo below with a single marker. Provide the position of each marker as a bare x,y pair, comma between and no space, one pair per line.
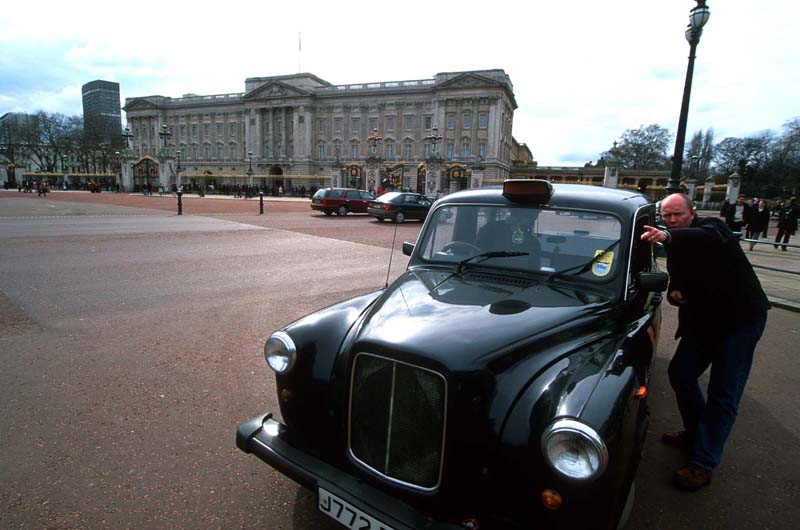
721,317
787,223
757,222
737,214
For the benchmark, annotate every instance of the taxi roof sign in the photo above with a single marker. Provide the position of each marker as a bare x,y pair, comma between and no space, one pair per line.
536,191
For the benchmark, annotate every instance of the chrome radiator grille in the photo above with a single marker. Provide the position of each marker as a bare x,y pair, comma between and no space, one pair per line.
397,418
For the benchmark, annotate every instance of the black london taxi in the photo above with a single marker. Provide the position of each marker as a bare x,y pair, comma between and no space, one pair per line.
499,383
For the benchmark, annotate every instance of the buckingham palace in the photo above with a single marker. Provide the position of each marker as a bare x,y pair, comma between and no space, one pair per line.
431,135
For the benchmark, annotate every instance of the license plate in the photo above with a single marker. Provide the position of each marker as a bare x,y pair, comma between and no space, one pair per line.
346,514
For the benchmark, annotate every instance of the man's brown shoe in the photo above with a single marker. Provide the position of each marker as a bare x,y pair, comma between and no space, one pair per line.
679,440
692,478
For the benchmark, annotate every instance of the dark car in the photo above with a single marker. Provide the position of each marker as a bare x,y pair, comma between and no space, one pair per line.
399,206
499,383
341,201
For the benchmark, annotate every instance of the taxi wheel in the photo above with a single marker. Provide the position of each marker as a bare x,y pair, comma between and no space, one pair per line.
399,217
341,211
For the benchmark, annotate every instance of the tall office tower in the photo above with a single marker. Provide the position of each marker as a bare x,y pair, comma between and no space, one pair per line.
102,116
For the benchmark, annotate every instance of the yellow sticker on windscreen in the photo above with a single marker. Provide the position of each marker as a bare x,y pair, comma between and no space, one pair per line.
602,266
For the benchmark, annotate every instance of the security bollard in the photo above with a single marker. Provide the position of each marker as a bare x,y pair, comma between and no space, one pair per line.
260,203
180,203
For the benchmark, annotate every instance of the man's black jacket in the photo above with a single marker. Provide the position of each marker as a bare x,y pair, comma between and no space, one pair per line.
719,287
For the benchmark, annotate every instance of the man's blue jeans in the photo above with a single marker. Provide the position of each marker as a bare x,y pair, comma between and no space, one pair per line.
730,357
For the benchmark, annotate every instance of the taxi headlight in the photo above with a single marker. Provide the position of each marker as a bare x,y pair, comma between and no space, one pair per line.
280,352
574,450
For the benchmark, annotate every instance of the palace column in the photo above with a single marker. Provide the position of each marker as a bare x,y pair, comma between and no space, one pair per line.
284,147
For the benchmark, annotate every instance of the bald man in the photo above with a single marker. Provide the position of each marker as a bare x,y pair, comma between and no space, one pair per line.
722,314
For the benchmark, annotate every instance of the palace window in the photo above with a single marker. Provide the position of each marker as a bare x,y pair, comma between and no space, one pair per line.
219,130
321,151
450,150
337,125
482,150
233,152
354,150
220,152
355,125
428,122
467,120
194,131
451,121
195,154
465,150
183,132
483,120
407,151
232,133
389,151
206,131
207,152
389,123
373,124
409,122
426,150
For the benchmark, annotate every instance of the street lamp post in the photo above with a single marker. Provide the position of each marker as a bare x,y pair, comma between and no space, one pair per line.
433,162
698,17
373,140
434,138
128,136
178,170
374,171
118,160
165,135
338,167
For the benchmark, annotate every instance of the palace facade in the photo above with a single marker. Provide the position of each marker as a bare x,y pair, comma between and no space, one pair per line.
433,135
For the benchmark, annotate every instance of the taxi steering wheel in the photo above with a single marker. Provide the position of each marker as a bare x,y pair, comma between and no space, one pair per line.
460,247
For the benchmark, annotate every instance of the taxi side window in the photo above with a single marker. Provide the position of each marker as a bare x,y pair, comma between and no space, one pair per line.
642,253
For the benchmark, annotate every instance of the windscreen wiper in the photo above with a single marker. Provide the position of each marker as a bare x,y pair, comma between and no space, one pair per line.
488,255
482,257
580,269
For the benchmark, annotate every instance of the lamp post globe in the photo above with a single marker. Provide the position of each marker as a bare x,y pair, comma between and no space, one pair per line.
698,17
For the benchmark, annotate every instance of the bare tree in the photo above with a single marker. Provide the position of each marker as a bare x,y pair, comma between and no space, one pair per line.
642,148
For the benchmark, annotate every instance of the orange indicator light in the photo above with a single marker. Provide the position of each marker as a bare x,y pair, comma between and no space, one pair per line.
551,499
641,393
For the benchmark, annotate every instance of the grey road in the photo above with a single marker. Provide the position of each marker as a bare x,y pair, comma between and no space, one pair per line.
131,346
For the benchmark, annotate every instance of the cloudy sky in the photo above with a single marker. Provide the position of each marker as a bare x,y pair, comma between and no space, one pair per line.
583,71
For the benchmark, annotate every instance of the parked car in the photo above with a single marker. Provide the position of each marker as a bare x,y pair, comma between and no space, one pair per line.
341,201
399,206
499,383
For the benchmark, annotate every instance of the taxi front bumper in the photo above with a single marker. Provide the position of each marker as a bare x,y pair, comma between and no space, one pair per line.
266,438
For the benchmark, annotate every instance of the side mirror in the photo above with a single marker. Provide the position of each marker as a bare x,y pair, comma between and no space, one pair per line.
655,282
408,248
